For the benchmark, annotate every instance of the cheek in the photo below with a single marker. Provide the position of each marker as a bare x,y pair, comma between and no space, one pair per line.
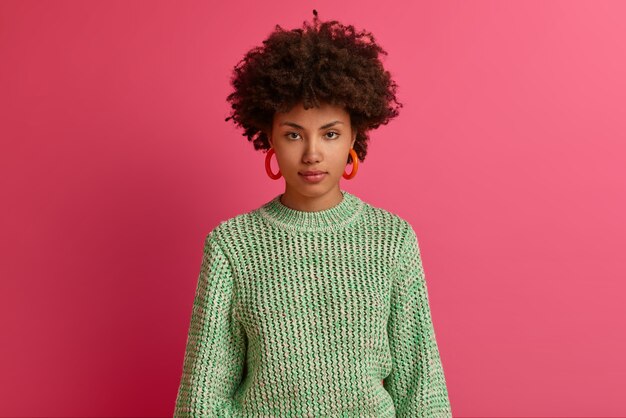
339,164
288,161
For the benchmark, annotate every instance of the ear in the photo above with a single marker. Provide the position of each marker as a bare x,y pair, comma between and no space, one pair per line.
268,133
353,139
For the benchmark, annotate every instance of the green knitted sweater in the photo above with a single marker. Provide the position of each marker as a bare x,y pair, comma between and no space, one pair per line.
312,314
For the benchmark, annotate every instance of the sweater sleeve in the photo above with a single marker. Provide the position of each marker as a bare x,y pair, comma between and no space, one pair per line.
216,342
416,383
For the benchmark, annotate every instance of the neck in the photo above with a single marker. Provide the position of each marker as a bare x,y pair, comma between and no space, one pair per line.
298,201
336,217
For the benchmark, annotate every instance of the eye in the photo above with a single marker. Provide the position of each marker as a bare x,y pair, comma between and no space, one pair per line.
291,133
335,133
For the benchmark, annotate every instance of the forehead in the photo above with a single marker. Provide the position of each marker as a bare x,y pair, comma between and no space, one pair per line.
324,112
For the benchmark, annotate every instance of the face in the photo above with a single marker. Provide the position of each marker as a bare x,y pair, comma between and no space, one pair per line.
315,139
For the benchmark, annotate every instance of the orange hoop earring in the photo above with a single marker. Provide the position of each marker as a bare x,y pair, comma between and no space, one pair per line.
355,165
268,168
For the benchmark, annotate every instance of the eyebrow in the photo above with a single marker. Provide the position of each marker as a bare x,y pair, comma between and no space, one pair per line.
328,125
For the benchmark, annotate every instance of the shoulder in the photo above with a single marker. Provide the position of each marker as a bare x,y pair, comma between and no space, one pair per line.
392,223
397,228
228,232
386,227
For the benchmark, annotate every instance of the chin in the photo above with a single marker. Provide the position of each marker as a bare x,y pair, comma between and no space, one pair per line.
313,189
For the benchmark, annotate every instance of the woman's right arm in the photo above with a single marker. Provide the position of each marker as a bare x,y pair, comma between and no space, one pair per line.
216,342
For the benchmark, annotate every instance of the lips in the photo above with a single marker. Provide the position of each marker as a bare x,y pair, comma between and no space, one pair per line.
312,173
313,176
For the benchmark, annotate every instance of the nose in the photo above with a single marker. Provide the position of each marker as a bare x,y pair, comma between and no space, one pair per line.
312,152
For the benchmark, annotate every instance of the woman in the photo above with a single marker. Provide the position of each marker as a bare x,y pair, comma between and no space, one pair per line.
315,303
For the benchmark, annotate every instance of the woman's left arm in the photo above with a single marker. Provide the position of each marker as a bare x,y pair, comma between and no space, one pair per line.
416,383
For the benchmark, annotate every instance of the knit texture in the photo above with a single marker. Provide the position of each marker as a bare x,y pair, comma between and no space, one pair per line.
312,314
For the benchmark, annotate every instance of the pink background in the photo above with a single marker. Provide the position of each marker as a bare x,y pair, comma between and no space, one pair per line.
508,159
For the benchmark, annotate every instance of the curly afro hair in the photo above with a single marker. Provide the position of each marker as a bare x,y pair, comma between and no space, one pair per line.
324,62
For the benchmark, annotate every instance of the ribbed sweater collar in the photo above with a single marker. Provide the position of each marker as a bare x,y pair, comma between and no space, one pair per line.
332,218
